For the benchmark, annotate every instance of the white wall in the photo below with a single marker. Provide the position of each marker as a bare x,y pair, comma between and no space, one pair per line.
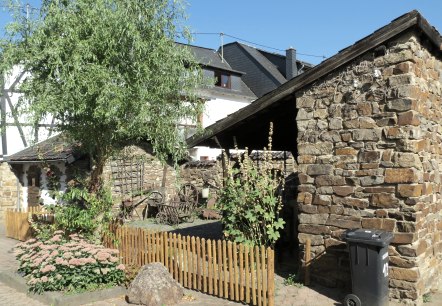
215,110
18,135
45,193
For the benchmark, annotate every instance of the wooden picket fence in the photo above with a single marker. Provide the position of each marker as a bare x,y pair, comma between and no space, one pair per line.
17,221
217,267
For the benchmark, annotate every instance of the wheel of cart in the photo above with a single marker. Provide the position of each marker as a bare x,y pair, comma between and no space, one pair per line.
161,218
167,214
188,193
154,199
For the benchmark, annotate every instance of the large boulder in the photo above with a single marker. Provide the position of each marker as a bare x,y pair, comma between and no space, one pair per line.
154,286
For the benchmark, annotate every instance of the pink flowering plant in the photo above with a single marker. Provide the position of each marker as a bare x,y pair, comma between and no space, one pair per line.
67,264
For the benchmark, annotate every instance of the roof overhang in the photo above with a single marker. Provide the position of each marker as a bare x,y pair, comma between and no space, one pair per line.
57,148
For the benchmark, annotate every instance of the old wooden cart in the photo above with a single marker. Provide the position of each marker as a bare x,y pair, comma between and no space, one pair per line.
180,209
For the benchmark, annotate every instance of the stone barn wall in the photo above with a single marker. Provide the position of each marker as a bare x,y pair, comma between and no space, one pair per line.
369,142
153,170
8,189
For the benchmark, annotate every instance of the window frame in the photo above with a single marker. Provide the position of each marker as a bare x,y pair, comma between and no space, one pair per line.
218,76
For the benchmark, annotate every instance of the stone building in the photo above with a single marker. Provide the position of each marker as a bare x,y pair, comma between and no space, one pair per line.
365,127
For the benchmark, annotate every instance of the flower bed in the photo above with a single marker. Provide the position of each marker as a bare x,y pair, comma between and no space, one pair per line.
71,264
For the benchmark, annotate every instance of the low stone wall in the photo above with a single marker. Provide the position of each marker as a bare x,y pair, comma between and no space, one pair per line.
369,143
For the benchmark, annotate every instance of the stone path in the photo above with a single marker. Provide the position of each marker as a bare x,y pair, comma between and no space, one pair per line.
10,296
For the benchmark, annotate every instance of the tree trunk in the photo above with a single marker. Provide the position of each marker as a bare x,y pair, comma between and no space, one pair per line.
96,180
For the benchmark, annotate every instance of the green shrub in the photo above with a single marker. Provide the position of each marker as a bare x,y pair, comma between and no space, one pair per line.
251,200
67,264
293,280
78,211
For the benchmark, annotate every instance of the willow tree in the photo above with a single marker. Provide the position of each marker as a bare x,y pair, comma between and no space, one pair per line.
107,71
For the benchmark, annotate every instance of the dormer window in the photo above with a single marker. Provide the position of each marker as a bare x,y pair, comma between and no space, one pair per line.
222,79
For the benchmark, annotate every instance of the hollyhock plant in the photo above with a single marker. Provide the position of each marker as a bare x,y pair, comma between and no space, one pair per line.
71,263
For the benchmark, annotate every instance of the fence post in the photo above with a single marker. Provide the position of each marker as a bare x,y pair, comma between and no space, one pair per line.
226,288
189,262
264,275
194,263
307,261
247,271
203,264
253,274
259,278
235,269
215,269
270,277
220,269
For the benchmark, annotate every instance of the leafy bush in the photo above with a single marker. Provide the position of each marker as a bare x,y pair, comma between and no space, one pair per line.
251,200
293,280
84,212
79,211
67,264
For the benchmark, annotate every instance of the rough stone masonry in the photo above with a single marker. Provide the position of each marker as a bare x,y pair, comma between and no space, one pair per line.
370,143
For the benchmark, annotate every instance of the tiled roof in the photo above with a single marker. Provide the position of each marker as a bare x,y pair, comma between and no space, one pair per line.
56,148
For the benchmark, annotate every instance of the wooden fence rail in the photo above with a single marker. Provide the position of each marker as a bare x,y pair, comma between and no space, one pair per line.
229,270
17,221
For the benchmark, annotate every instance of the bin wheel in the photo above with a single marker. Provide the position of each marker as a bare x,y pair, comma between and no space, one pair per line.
352,300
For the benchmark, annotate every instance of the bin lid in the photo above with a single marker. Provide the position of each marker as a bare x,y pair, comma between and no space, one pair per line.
369,236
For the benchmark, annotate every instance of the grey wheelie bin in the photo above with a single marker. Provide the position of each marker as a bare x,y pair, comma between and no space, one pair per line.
369,267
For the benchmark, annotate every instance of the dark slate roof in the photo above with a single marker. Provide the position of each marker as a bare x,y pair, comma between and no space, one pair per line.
256,109
56,148
264,62
264,71
212,60
274,63
209,58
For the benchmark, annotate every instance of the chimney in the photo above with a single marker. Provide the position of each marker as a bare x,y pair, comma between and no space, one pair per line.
291,69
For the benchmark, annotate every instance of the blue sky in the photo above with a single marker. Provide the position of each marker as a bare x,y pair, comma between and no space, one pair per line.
316,27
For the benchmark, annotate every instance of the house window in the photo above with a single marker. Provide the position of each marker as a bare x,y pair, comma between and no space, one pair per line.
222,79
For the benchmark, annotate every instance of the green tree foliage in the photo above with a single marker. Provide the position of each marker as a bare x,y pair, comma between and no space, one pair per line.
108,71
251,200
